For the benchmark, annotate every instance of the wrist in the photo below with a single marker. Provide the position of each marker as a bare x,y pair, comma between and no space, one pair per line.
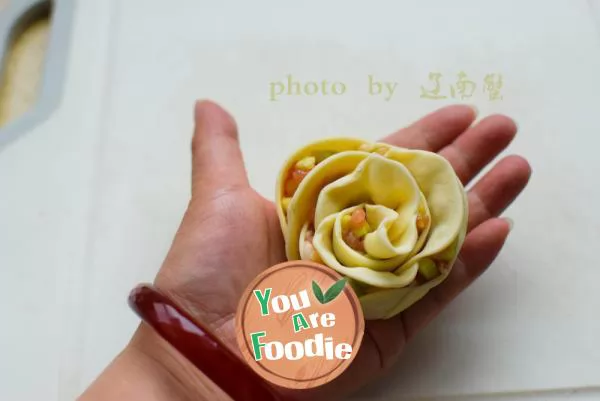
150,369
176,371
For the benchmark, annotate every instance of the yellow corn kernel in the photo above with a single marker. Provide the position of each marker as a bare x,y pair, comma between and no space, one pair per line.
428,269
366,147
322,155
306,163
285,204
346,221
382,150
362,230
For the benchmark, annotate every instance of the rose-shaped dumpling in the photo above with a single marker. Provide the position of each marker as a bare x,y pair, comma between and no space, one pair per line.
391,220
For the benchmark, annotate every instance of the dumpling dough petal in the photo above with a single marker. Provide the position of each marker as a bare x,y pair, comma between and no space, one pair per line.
376,180
322,242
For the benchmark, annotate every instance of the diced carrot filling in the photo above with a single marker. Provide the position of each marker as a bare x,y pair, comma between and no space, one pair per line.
316,257
294,179
301,169
354,242
358,218
422,222
354,229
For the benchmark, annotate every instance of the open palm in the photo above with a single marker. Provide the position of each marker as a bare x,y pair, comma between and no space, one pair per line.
230,232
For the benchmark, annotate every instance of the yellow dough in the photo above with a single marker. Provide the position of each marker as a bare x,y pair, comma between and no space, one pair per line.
415,207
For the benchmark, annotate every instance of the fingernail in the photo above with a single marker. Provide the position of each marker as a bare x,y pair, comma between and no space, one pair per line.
199,107
510,222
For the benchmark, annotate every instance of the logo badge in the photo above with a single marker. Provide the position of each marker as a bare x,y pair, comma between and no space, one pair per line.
299,324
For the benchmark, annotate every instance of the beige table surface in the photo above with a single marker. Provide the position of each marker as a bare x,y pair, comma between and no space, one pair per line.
22,75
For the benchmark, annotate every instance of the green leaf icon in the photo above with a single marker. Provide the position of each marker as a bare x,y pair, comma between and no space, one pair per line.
334,291
318,292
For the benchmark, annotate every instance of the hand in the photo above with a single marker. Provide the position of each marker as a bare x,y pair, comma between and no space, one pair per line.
230,233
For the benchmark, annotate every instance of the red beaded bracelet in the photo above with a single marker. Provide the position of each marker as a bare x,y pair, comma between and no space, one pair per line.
196,343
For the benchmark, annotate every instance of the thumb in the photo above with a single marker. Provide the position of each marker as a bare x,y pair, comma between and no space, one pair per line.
217,162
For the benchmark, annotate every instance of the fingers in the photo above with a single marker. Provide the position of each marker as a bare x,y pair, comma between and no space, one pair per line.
496,190
217,161
435,130
488,198
365,367
481,247
479,145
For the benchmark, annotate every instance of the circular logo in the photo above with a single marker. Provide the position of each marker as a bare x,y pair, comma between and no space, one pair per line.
299,324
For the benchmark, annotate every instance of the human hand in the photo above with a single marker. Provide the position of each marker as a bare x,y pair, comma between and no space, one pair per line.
230,233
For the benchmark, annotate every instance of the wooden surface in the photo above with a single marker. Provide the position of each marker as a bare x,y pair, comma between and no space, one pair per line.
289,279
23,71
